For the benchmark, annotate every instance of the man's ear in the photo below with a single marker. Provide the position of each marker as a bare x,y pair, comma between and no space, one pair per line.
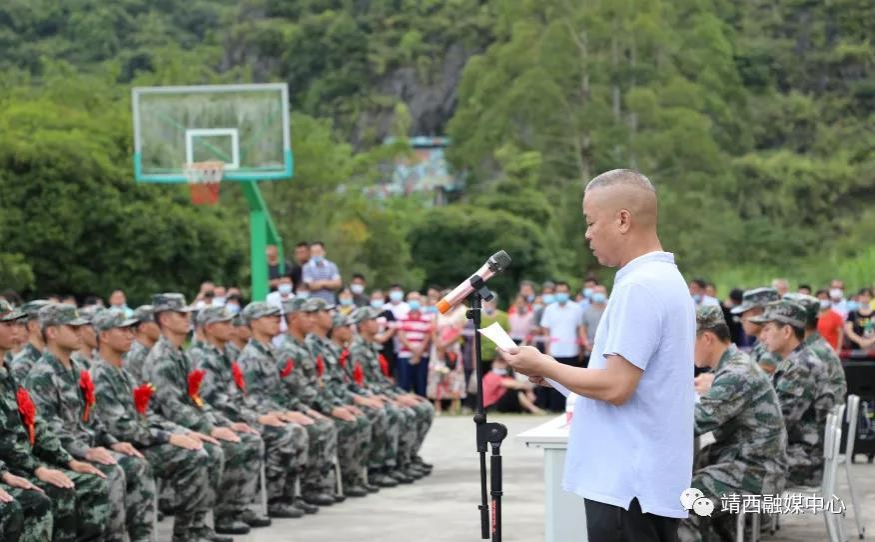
624,220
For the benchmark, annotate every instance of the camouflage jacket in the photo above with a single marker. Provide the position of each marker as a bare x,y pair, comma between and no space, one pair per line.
742,411
835,385
219,388
15,449
795,381
84,362
334,378
167,368
56,393
232,350
764,358
300,378
24,361
114,388
135,359
367,355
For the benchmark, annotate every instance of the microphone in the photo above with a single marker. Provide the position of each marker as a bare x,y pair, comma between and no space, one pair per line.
495,264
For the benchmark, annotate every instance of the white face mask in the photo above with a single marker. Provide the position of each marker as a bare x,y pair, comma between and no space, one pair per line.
836,294
284,289
357,289
218,301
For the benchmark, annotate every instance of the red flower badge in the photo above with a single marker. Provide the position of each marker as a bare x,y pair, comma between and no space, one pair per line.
344,357
358,374
27,411
320,366
238,376
194,386
287,370
87,387
384,365
142,395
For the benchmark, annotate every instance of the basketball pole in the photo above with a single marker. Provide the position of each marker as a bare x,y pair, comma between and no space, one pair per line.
262,232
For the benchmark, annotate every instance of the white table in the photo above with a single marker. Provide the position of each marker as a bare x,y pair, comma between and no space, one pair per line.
565,515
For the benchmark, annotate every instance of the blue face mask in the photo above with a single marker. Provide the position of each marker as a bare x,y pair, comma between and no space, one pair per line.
377,303
346,302
587,293
396,295
599,298
317,259
284,289
548,299
853,306
697,298
233,308
562,297
303,295
414,305
530,298
431,309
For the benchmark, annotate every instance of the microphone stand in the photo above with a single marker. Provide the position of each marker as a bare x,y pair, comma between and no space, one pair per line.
487,433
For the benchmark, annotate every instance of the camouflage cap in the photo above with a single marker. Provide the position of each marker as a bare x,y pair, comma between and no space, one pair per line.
8,313
238,320
709,317
211,315
60,314
259,309
293,305
758,297
87,313
362,314
169,302
31,308
339,320
106,319
144,313
314,304
811,304
784,311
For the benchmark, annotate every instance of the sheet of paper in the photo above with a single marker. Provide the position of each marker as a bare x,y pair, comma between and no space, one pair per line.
499,336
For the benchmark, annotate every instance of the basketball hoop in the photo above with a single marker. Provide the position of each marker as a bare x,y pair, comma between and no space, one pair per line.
204,180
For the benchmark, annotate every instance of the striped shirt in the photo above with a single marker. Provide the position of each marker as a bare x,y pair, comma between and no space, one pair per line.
416,330
324,270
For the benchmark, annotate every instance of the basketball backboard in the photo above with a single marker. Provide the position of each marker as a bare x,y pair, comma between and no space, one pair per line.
244,126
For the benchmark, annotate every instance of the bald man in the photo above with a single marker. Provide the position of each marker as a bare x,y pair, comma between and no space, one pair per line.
630,451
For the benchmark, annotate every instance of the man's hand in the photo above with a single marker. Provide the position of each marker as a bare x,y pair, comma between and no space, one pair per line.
5,497
203,438
299,418
54,477
225,433
100,455
343,414
17,481
355,410
241,427
126,448
539,381
85,468
703,383
526,360
270,420
315,415
186,442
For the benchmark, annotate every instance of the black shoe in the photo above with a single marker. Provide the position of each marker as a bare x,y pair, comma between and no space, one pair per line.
370,488
381,480
318,499
420,463
282,510
355,491
416,474
338,498
229,525
417,471
400,477
249,517
308,508
205,533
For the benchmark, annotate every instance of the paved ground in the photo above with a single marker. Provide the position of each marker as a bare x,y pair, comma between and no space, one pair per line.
443,507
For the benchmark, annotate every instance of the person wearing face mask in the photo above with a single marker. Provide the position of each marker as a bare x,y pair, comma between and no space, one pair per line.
860,324
837,297
830,324
357,286
562,325
590,319
345,302
387,329
234,303
282,294
118,301
504,393
414,336
397,304
489,316
519,319
320,274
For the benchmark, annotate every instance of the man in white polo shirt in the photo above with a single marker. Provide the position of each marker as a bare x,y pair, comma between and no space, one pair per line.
630,452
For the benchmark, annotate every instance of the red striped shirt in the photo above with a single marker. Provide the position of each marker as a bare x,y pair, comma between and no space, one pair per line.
416,331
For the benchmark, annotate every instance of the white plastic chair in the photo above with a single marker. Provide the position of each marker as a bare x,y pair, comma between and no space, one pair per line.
852,411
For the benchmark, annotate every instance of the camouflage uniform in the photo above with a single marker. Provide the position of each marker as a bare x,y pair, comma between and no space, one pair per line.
759,297
749,455
136,356
285,447
56,393
232,350
167,367
21,363
189,471
796,382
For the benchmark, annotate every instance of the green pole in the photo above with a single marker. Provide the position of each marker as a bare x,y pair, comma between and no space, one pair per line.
261,233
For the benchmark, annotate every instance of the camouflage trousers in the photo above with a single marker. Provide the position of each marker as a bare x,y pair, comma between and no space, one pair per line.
239,480
424,418
79,514
188,473
286,455
714,481
805,465
408,437
384,437
131,499
322,449
353,447
26,519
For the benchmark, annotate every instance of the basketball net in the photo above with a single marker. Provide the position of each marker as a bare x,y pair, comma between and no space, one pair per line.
204,181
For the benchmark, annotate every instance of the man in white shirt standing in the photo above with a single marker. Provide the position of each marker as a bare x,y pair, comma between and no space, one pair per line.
630,451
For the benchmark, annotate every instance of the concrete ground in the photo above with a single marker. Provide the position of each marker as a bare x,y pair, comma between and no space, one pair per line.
443,506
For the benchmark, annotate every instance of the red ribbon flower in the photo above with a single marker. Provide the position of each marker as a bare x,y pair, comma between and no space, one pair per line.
287,370
238,376
27,411
194,386
344,357
87,387
320,366
142,395
358,374
384,365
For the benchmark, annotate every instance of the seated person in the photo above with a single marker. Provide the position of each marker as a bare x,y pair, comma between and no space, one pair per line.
741,410
504,393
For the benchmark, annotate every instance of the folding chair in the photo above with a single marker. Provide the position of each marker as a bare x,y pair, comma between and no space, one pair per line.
852,411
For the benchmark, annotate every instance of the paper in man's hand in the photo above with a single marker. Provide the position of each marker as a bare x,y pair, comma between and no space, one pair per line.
499,336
